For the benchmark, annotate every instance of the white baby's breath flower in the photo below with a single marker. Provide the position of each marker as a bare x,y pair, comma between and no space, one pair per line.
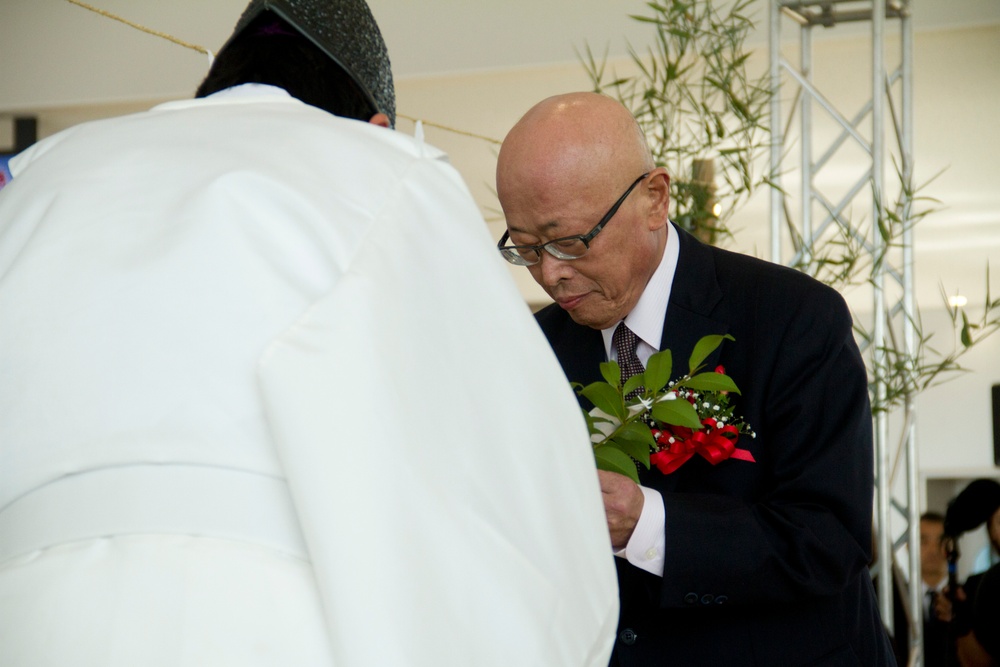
644,404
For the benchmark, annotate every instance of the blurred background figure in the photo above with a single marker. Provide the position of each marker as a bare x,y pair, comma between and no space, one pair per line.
972,610
989,555
933,580
981,647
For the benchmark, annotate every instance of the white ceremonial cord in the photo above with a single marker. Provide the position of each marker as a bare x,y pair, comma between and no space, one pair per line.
157,33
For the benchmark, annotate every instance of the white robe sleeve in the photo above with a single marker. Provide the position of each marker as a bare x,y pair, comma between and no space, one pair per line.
436,455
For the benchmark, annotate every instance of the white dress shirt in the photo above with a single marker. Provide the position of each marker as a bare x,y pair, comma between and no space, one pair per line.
645,547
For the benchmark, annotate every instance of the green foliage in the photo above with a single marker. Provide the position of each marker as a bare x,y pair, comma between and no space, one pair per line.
705,115
699,106
703,348
676,412
849,259
712,382
905,374
614,460
619,425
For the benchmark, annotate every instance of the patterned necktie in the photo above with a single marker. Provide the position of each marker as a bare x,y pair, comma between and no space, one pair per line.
625,342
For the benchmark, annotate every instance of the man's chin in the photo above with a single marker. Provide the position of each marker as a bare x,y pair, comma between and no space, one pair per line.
581,310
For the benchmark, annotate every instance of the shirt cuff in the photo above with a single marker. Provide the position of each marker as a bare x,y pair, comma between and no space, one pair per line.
645,548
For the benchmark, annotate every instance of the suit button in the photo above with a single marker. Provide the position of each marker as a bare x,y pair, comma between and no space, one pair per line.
691,598
628,636
707,598
721,599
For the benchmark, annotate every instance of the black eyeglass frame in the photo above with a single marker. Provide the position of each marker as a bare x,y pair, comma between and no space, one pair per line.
511,252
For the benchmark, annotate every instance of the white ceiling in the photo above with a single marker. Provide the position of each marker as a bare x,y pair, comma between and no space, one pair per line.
435,36
46,44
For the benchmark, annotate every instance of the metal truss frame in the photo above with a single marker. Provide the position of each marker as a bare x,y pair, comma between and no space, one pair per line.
893,303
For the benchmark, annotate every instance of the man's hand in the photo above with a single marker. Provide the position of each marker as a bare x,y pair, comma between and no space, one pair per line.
623,502
943,610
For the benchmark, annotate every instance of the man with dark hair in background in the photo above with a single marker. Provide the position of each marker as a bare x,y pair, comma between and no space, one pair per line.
933,579
249,412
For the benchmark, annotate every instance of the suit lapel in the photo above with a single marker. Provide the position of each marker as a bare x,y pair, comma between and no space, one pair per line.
694,309
582,354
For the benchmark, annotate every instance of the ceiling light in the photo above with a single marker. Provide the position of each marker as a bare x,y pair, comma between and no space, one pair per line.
957,301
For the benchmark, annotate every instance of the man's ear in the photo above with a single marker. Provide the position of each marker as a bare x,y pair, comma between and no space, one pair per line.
659,187
380,119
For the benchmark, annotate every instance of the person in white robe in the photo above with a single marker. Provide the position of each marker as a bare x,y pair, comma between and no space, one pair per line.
269,397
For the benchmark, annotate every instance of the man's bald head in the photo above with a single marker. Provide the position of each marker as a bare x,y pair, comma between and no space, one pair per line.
560,169
570,135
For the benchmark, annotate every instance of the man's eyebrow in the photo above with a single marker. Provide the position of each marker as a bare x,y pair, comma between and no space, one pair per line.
546,226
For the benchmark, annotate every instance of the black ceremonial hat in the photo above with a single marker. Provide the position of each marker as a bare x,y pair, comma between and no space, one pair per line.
346,31
972,507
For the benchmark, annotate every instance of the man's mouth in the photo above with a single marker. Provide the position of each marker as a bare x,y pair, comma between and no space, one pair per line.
570,302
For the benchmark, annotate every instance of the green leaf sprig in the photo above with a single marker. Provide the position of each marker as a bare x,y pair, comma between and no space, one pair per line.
619,426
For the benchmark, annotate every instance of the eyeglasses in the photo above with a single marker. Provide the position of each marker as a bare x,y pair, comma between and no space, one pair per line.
567,247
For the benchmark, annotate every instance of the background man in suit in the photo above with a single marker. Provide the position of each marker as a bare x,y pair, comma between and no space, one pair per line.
933,579
743,563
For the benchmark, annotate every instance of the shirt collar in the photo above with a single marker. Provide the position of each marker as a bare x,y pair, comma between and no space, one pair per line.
249,90
937,588
647,318
244,93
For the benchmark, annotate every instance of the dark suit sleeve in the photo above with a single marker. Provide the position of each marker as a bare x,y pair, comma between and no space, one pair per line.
797,523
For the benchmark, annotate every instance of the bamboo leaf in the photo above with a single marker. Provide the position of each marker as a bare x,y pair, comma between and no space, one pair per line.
966,331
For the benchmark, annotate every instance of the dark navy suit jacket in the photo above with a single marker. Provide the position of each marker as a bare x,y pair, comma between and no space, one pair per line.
765,562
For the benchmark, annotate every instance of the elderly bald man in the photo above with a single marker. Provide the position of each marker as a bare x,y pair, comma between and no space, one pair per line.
759,562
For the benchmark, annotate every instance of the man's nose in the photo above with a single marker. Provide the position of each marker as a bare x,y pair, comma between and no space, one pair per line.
551,270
